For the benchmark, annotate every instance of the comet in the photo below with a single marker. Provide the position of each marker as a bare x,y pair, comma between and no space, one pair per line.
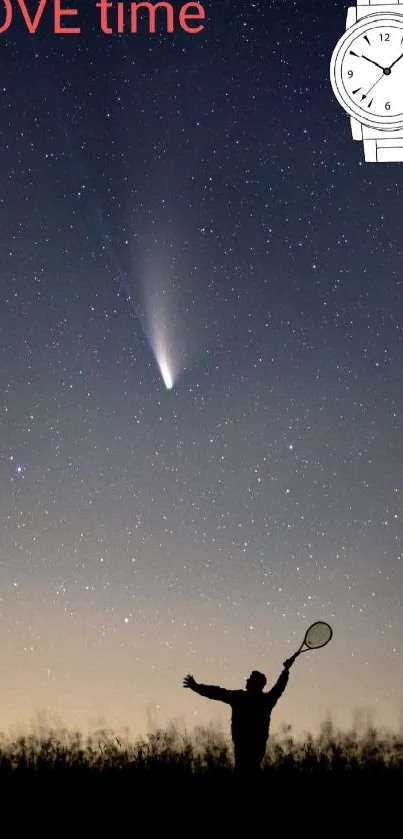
162,347
164,308
168,381
163,317
158,316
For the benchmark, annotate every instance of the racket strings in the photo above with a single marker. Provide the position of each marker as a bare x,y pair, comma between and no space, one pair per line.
318,635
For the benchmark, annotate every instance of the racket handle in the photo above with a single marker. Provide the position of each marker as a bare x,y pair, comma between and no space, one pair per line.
289,661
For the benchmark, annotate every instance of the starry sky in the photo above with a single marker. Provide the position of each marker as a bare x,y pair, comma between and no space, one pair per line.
201,374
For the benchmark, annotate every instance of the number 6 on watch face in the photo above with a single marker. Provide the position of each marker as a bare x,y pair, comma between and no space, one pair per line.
366,71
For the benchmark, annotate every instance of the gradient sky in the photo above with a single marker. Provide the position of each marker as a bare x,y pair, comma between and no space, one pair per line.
195,206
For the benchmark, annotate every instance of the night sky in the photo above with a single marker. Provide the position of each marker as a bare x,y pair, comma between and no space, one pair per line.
201,374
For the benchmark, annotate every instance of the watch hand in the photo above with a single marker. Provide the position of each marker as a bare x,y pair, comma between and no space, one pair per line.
375,62
364,96
395,62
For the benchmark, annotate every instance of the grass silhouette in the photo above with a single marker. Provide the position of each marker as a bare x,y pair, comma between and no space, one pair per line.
333,753
355,771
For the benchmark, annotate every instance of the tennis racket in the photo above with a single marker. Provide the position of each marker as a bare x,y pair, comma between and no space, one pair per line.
317,635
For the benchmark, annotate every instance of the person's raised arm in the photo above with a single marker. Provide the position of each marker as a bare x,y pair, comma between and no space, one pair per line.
281,684
210,691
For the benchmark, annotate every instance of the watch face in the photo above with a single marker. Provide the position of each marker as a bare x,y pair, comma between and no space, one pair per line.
366,71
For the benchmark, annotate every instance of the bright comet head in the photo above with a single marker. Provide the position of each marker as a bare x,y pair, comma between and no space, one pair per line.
166,375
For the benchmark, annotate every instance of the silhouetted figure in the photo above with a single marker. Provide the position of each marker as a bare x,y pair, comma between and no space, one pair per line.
251,710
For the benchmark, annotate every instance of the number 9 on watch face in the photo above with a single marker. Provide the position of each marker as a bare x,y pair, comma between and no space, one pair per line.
366,71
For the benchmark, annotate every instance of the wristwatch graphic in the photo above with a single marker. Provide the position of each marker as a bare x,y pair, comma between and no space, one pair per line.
366,73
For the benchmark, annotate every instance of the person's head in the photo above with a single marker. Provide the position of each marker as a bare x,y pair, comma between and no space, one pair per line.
256,682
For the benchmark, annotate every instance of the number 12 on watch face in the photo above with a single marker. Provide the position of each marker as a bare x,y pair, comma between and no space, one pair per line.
367,71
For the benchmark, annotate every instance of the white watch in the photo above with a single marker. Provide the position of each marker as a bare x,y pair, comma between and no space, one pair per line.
366,73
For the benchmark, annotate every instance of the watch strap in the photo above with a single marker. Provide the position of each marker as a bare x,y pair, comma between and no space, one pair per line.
379,2
383,151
